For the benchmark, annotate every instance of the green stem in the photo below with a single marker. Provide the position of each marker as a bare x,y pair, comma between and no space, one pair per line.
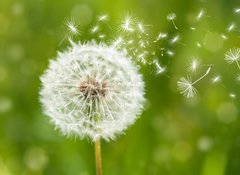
98,156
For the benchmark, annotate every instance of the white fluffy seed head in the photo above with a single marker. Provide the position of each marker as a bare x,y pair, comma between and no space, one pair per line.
92,90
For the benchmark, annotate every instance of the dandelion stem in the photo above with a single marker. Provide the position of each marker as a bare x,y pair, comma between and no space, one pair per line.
98,156
174,25
238,65
207,72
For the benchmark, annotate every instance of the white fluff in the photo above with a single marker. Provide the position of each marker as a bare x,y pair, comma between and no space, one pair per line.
92,90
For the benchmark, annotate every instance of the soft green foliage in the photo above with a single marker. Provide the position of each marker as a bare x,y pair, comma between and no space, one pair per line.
174,136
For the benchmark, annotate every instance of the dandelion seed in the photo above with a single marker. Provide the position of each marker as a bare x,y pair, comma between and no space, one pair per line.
200,14
198,45
216,79
117,42
101,36
194,65
141,28
232,95
233,55
224,37
175,39
161,36
185,85
159,69
94,29
162,51
238,78
92,90
72,27
236,10
170,53
171,17
231,27
103,17
127,24
193,28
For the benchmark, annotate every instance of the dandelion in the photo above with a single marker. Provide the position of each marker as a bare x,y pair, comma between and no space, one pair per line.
186,85
161,36
233,55
92,90
171,17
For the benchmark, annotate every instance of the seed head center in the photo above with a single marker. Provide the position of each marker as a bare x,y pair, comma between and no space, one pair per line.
93,89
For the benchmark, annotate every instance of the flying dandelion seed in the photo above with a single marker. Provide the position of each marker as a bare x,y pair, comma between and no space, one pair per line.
103,17
194,65
170,53
141,28
186,85
193,28
231,27
72,28
224,36
161,36
238,78
216,79
175,39
236,10
94,29
127,24
200,14
171,17
198,45
233,55
232,95
159,69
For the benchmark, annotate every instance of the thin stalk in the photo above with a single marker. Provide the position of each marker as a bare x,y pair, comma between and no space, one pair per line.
98,156
207,72
238,65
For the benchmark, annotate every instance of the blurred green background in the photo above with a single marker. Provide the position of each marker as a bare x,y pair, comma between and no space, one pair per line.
174,136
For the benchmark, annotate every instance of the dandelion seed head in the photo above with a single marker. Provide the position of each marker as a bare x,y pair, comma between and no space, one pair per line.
186,87
232,55
92,90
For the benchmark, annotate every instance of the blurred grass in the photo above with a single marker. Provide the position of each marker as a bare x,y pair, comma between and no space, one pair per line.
173,136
